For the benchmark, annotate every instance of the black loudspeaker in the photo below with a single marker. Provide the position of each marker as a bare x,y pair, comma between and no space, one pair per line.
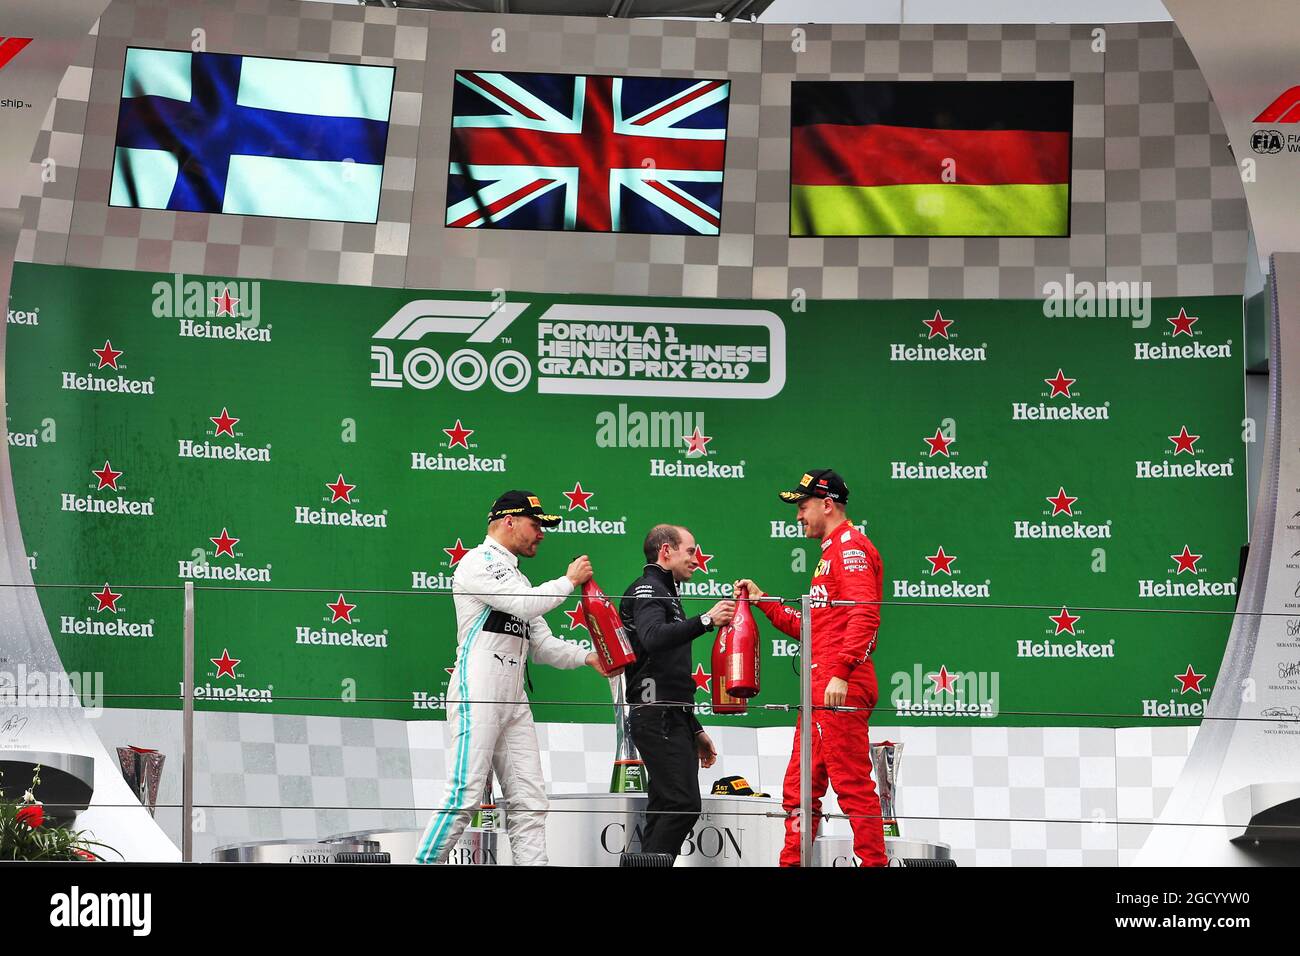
350,857
646,859
925,861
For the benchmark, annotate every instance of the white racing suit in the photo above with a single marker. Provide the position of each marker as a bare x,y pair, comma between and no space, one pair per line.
498,627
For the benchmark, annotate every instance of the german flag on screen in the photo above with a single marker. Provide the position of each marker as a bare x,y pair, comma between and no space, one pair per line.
965,158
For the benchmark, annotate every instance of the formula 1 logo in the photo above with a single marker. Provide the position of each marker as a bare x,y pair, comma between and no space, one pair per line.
617,350
466,369
10,47
1284,109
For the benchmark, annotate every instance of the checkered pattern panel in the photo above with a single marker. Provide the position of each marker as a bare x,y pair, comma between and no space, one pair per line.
485,259
151,239
998,796
852,268
1175,208
275,777
50,182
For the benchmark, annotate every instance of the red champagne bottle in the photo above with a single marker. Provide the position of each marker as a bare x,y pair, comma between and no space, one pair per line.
743,657
606,628
725,702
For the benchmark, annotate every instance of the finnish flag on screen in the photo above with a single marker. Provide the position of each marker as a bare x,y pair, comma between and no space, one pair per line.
219,133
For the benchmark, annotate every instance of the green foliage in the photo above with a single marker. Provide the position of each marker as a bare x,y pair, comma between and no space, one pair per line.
19,841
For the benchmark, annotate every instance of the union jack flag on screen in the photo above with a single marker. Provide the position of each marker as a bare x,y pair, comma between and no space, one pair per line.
592,153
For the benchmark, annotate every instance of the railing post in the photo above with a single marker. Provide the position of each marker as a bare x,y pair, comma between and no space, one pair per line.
805,732
187,759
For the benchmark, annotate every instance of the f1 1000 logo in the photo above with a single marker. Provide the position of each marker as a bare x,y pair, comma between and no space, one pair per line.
614,350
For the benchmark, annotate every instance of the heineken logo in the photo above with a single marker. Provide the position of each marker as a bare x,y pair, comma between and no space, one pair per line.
662,468
106,357
238,573
793,529
456,552
577,497
431,580
223,425
106,479
709,587
20,317
215,689
1186,562
1052,411
352,637
1182,335
1184,443
423,700
1072,650
94,624
1062,504
340,490
942,329
1173,708
938,445
423,461
458,436
940,565
923,471
590,526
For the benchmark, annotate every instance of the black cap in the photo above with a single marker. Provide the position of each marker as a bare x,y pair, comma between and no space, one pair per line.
734,787
818,483
521,504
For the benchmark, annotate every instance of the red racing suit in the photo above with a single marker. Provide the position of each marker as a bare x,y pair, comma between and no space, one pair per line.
842,641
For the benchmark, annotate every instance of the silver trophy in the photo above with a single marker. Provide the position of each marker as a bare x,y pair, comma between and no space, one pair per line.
142,769
885,758
629,769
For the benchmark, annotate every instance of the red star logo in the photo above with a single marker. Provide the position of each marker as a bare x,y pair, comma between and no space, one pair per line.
107,355
1183,323
342,610
576,618
108,599
1062,503
941,563
458,435
703,558
702,680
340,490
456,552
225,664
938,325
1190,680
938,444
943,680
695,442
1183,442
1060,384
107,477
1187,560
225,422
225,544
1064,621
577,497
225,303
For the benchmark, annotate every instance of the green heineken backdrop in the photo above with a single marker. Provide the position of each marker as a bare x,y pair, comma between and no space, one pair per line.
1050,495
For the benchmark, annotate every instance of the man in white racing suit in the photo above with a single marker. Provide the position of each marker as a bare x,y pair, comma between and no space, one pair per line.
499,627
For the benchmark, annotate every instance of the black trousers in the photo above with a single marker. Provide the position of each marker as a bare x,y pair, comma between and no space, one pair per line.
665,736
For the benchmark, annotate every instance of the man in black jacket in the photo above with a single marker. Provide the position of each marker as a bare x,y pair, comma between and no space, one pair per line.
660,688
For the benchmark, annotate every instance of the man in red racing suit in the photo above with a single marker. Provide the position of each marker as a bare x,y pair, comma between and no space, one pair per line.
842,673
